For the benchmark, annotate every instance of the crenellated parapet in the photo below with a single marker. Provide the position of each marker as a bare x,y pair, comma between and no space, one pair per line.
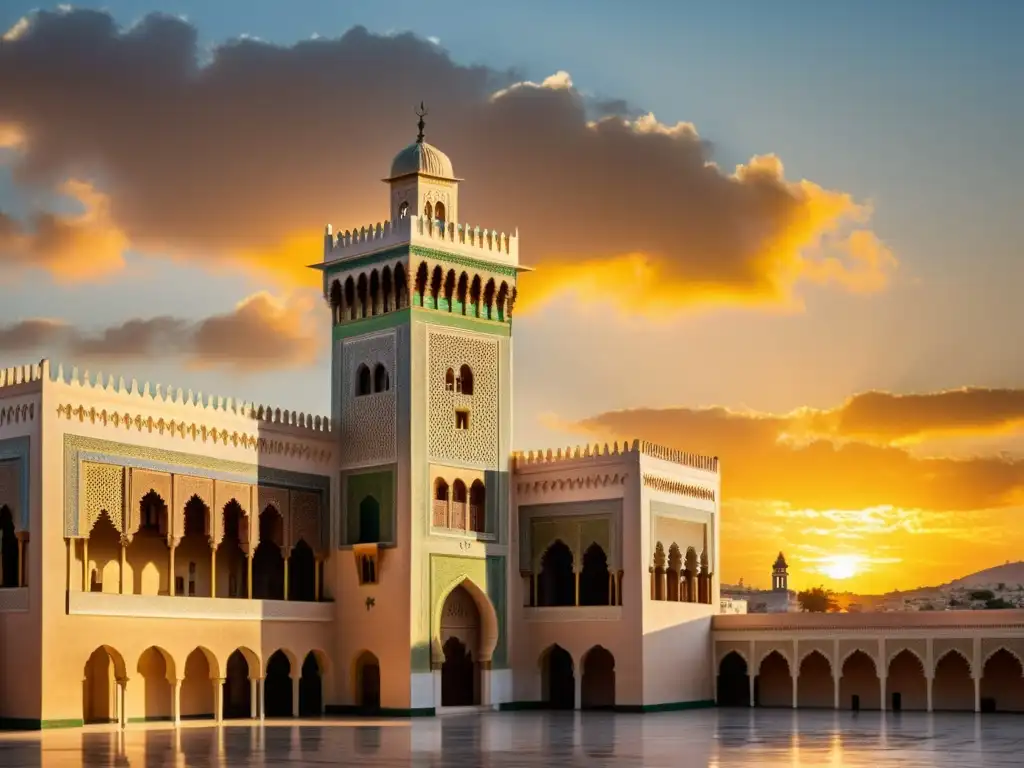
22,374
634,448
462,239
203,405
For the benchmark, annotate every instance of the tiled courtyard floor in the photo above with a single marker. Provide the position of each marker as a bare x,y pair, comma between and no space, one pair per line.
722,738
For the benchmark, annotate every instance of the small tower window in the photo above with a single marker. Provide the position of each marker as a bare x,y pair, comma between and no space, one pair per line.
381,380
449,380
465,383
462,418
428,211
440,490
363,381
403,210
439,212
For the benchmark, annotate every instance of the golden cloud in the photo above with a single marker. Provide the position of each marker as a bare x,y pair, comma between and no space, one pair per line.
260,333
615,204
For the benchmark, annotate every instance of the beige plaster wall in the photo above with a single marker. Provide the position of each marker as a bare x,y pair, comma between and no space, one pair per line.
677,652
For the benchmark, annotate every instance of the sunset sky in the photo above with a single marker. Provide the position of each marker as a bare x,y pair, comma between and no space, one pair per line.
787,234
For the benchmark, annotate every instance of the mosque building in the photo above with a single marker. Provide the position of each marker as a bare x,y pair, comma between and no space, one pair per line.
168,555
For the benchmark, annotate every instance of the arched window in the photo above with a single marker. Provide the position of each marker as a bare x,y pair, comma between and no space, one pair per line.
439,212
336,300
595,580
381,380
465,380
459,492
477,507
403,210
440,490
449,380
557,580
428,211
363,381
369,521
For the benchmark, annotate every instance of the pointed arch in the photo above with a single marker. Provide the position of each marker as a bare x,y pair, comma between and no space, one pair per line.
401,287
336,299
488,306
386,290
363,296
501,300
474,297
436,283
815,683
774,686
375,299
449,289
350,298
381,380
460,293
488,619
422,277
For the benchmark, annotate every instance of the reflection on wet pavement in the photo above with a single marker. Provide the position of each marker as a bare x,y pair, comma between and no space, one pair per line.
723,738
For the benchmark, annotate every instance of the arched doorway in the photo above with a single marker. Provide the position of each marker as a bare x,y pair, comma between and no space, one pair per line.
197,690
774,685
311,698
859,687
597,688
277,688
733,681
460,642
953,688
906,687
302,573
595,579
557,580
558,679
367,680
232,571
237,690
146,554
268,560
815,687
1002,686
157,670
99,696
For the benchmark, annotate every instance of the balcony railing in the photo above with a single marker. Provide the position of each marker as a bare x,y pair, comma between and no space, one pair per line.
212,608
440,513
458,521
477,518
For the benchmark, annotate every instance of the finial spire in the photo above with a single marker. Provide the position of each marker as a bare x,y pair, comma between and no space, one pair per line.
421,113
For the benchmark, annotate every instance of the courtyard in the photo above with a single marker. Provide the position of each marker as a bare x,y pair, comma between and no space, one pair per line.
712,737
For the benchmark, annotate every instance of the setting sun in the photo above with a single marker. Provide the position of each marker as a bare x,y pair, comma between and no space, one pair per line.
840,566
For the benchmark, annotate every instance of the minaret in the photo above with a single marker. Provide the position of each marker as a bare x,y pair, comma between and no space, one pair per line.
780,574
422,392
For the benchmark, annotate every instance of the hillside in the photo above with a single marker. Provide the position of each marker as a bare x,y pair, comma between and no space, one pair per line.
1010,574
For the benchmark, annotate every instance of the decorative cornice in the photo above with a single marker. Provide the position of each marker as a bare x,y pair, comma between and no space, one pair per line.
572,483
332,269
13,414
198,432
674,486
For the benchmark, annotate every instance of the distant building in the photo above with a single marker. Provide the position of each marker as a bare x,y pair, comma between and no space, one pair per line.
779,599
733,605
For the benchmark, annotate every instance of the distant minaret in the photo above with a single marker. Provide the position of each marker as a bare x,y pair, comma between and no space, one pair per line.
780,574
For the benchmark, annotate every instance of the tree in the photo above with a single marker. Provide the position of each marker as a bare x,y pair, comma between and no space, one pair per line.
996,603
818,600
982,594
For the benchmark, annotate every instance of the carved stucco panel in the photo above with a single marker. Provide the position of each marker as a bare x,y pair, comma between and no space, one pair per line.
103,492
478,444
187,486
224,492
848,647
307,520
141,482
724,647
806,647
368,422
990,646
765,648
918,648
279,499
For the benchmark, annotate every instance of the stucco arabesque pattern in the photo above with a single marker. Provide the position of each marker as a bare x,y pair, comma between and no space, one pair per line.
197,432
674,486
192,475
16,414
598,480
369,422
478,444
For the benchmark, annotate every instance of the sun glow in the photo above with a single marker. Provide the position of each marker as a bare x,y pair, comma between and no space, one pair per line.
841,566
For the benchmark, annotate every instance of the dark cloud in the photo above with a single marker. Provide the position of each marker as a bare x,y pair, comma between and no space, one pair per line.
760,463
260,333
250,155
